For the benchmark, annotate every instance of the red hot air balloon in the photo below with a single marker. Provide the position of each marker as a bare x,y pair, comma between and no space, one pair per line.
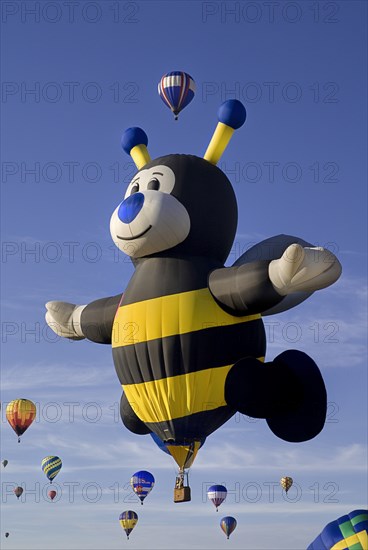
52,494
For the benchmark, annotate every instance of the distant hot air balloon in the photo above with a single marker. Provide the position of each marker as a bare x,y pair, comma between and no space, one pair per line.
350,531
217,494
18,491
142,483
51,465
128,520
228,525
176,90
4,463
286,483
20,414
6,534
52,494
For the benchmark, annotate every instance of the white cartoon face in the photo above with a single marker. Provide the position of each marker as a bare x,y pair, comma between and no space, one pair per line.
149,219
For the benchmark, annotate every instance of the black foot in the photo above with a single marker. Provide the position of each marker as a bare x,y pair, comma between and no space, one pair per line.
308,419
130,419
289,392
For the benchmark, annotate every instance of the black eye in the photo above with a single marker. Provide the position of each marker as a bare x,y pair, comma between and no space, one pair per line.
153,184
134,189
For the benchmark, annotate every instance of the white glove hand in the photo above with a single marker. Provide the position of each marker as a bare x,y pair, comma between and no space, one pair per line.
64,319
304,269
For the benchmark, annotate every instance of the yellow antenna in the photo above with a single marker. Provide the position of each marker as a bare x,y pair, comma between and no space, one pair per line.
134,142
231,116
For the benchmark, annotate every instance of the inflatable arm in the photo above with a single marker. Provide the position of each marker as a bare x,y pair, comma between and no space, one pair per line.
93,321
244,289
258,286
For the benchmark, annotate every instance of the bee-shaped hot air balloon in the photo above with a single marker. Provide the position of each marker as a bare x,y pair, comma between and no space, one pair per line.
187,333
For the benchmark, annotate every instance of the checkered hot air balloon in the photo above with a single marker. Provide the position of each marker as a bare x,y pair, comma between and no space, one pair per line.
286,482
176,90
348,532
51,465
20,414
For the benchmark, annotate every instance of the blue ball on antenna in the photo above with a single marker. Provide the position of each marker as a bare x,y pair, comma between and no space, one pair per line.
133,136
232,113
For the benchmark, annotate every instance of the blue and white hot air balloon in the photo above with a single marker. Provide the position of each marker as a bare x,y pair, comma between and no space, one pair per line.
176,90
217,494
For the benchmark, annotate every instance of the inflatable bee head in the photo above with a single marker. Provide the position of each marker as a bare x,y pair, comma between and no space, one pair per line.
181,203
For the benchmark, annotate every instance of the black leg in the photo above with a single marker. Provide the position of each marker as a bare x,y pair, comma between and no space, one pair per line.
130,419
289,392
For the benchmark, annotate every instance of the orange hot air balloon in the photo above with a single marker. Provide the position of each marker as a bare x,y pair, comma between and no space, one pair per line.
20,414
52,494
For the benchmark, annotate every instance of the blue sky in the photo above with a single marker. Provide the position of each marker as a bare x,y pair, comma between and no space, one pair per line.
298,166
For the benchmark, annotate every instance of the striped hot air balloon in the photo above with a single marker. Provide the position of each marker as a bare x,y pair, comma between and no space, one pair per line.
228,524
128,520
20,414
217,494
142,483
176,90
51,465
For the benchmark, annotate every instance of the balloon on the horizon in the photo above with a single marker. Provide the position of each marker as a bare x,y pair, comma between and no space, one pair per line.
176,90
349,531
5,463
6,535
51,465
217,495
142,483
228,524
128,520
20,414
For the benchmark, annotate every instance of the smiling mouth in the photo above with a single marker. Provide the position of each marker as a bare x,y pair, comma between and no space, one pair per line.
135,236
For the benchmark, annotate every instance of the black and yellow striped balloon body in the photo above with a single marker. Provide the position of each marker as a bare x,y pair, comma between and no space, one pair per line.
173,346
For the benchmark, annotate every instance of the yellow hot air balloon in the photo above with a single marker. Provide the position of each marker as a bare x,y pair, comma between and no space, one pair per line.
20,414
128,520
286,482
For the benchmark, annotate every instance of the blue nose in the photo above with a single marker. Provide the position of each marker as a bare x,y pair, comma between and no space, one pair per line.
130,207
